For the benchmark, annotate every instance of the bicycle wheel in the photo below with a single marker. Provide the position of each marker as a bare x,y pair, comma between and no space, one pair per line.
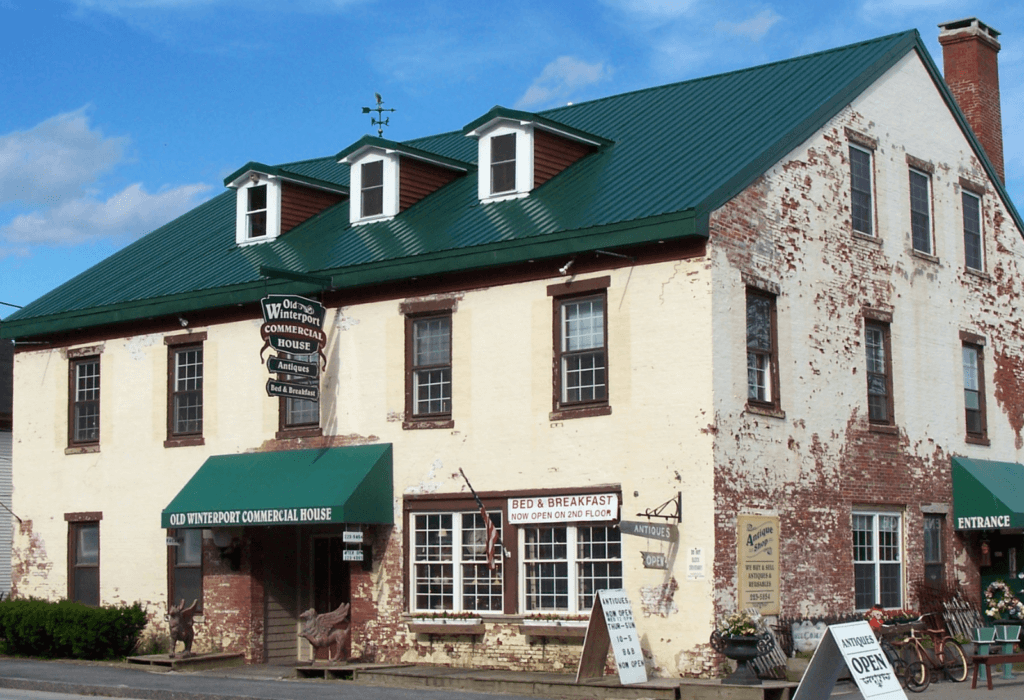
954,662
918,677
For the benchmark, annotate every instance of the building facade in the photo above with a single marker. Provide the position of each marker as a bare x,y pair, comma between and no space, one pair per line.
716,363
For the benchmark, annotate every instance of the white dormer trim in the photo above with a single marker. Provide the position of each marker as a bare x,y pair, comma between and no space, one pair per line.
524,158
356,161
245,183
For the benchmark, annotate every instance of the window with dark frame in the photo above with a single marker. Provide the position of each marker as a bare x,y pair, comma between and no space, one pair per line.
879,373
372,188
762,356
449,563
974,390
920,212
973,250
84,562
185,390
934,567
84,414
564,566
877,560
503,163
299,413
256,212
861,212
430,371
581,351
186,562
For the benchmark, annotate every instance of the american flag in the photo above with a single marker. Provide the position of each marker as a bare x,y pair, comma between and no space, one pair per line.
492,538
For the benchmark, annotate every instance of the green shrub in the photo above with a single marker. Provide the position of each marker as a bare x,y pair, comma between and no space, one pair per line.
69,630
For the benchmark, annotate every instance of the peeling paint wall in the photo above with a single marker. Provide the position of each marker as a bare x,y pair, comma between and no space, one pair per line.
814,465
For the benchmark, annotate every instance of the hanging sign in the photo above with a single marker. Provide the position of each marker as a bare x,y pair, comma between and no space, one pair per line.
757,545
352,555
293,325
352,536
655,560
291,390
310,370
652,531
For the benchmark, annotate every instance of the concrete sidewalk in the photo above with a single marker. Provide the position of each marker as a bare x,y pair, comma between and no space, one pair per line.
391,682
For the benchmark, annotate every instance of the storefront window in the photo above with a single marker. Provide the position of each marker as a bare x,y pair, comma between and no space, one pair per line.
877,560
564,567
455,578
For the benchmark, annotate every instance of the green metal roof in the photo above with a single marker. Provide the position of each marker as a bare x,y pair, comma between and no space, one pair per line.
336,485
653,179
987,495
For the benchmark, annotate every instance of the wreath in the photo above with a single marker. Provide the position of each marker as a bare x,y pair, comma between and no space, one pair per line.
1001,603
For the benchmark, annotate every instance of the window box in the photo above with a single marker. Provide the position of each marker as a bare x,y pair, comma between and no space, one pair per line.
566,629
447,625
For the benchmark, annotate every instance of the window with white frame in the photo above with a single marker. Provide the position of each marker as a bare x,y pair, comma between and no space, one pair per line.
762,355
258,209
372,188
565,566
505,152
877,559
861,211
973,249
503,163
449,563
374,182
920,212
84,421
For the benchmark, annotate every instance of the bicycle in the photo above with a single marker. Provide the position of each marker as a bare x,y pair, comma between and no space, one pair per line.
912,676
945,654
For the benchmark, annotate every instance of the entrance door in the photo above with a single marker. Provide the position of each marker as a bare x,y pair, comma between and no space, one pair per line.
281,613
331,584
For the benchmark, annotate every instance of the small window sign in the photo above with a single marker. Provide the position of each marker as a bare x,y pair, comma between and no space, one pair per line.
352,555
352,537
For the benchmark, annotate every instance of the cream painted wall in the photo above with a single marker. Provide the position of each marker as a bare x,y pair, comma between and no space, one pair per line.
653,444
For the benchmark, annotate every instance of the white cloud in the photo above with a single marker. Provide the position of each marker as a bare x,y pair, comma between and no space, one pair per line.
560,79
129,214
55,159
754,28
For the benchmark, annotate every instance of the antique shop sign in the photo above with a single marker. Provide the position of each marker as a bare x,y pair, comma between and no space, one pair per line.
563,509
652,531
695,564
855,645
757,561
611,623
293,325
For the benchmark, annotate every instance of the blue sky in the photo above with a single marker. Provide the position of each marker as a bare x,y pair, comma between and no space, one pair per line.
118,115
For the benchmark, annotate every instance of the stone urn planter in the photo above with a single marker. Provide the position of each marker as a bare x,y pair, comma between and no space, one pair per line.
742,650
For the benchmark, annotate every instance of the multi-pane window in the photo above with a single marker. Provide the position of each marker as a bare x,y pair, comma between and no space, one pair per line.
920,212
84,562
762,360
860,190
934,574
879,373
581,351
187,391
372,175
565,566
187,562
877,560
84,421
299,413
431,375
449,569
256,212
503,163
973,251
974,390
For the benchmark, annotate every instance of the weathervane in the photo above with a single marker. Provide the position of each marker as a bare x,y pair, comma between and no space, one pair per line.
379,109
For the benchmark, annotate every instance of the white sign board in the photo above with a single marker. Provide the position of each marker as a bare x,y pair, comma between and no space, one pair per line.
563,509
352,555
352,536
854,645
618,615
695,564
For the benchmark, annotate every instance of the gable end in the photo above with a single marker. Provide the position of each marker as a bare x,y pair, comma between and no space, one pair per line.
300,203
417,179
552,154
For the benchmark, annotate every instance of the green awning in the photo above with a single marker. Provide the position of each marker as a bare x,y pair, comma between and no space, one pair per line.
294,487
987,495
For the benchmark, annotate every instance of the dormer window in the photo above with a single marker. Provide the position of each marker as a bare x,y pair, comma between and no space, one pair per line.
256,213
372,188
503,163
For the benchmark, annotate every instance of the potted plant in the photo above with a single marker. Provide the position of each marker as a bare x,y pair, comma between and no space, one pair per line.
739,636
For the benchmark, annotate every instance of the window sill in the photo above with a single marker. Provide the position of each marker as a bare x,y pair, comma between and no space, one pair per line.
981,274
928,257
582,412
886,429
82,449
185,441
977,440
428,424
769,411
295,433
867,238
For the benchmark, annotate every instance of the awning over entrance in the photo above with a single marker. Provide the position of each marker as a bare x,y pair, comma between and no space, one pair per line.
987,495
331,485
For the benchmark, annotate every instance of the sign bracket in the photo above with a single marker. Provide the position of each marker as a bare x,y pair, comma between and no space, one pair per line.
659,512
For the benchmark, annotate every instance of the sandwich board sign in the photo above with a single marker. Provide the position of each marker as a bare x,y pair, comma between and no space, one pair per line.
611,624
855,646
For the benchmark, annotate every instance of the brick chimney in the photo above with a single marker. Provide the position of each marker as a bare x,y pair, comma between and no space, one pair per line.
971,69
